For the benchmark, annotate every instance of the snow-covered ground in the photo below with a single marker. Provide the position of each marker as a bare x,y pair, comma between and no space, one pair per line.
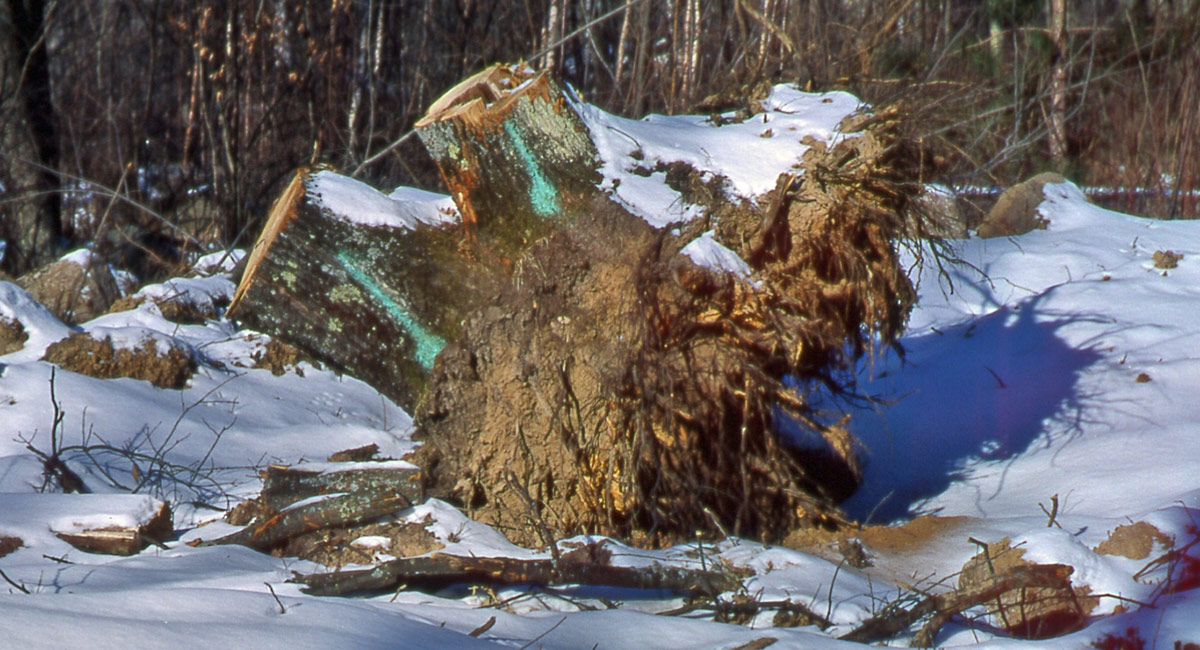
1068,372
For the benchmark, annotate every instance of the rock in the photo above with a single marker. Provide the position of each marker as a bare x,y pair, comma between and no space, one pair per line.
1015,212
76,288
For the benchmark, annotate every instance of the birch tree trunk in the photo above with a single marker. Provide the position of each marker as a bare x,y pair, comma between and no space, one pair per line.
1058,83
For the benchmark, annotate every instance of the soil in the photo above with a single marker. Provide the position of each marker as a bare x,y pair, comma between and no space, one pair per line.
71,292
1015,212
616,388
1027,613
9,544
1134,541
99,358
12,336
279,357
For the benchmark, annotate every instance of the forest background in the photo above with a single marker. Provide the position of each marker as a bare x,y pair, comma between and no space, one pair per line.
154,130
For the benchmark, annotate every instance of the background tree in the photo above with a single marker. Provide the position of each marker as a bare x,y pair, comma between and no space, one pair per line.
152,130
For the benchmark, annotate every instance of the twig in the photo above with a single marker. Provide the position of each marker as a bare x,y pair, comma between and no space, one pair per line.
483,628
543,634
1053,513
10,581
282,609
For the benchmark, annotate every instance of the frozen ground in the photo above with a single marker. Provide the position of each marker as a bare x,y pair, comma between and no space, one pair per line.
1070,371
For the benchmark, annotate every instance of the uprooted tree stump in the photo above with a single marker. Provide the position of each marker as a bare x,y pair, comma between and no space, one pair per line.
603,382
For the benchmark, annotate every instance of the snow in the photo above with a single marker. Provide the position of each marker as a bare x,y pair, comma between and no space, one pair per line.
707,252
749,155
1018,389
357,202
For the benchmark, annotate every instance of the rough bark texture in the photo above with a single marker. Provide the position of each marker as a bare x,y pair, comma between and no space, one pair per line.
585,566
378,302
517,158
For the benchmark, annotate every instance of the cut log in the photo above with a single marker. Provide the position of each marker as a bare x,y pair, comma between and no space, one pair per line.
283,486
371,284
119,538
441,570
517,158
376,285
332,512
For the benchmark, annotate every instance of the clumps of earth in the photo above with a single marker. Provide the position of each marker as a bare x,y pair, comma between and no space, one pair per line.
12,335
617,388
100,358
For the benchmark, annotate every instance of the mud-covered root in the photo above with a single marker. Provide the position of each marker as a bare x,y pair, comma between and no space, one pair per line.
617,388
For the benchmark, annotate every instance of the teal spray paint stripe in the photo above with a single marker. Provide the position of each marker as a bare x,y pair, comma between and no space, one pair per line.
542,195
427,344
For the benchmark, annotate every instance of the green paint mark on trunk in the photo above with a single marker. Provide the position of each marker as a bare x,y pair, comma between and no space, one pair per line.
542,195
427,344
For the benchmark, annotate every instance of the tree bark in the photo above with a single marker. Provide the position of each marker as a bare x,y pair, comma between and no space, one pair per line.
1058,84
516,157
441,570
41,241
371,298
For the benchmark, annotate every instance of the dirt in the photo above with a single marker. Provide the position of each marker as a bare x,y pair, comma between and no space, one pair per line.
278,357
9,544
12,335
1027,613
1166,259
1015,212
616,388
71,292
177,309
99,358
1134,541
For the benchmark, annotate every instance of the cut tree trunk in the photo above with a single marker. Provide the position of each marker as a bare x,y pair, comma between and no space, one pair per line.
594,378
379,299
517,158
375,297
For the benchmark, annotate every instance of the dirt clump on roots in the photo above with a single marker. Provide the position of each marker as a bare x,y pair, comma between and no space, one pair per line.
12,335
101,359
617,388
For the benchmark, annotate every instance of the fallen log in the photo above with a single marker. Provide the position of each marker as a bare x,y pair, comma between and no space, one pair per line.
284,486
440,570
377,285
122,539
372,284
335,511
